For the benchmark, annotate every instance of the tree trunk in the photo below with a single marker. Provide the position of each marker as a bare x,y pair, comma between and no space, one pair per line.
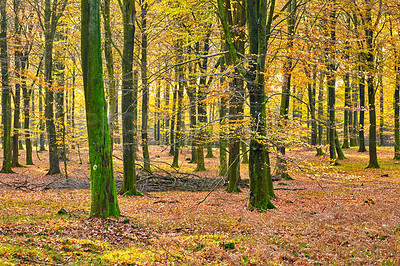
353,136
192,94
104,201
135,93
145,87
347,103
223,142
129,177
41,123
381,117
173,118
178,133
6,92
361,86
331,82
397,108
17,95
320,113
51,21
373,157
202,111
27,94
108,54
261,188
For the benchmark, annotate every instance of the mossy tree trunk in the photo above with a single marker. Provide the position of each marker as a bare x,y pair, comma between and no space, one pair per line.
109,57
6,92
17,92
129,175
104,201
259,29
236,15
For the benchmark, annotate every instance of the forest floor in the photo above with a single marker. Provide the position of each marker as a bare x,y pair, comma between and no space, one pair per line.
328,215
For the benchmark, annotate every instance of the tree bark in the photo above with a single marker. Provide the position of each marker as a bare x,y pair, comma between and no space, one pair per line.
129,177
145,86
104,201
108,55
373,157
6,92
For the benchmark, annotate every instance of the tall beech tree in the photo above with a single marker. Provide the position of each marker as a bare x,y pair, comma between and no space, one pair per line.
6,92
369,27
144,8
330,77
129,176
236,15
18,54
52,14
109,57
104,202
287,76
259,21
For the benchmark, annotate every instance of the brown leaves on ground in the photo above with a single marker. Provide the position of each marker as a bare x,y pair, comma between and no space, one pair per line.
328,215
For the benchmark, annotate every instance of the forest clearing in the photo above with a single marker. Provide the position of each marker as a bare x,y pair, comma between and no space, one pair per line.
336,215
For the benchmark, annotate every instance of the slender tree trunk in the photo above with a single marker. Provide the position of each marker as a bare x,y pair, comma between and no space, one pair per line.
129,177
50,29
381,114
361,139
173,118
261,188
202,111
353,136
373,157
104,201
192,94
6,92
167,111
27,94
223,142
331,82
145,87
397,108
179,92
17,95
41,122
108,54
157,115
311,98
347,107
320,113
135,93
